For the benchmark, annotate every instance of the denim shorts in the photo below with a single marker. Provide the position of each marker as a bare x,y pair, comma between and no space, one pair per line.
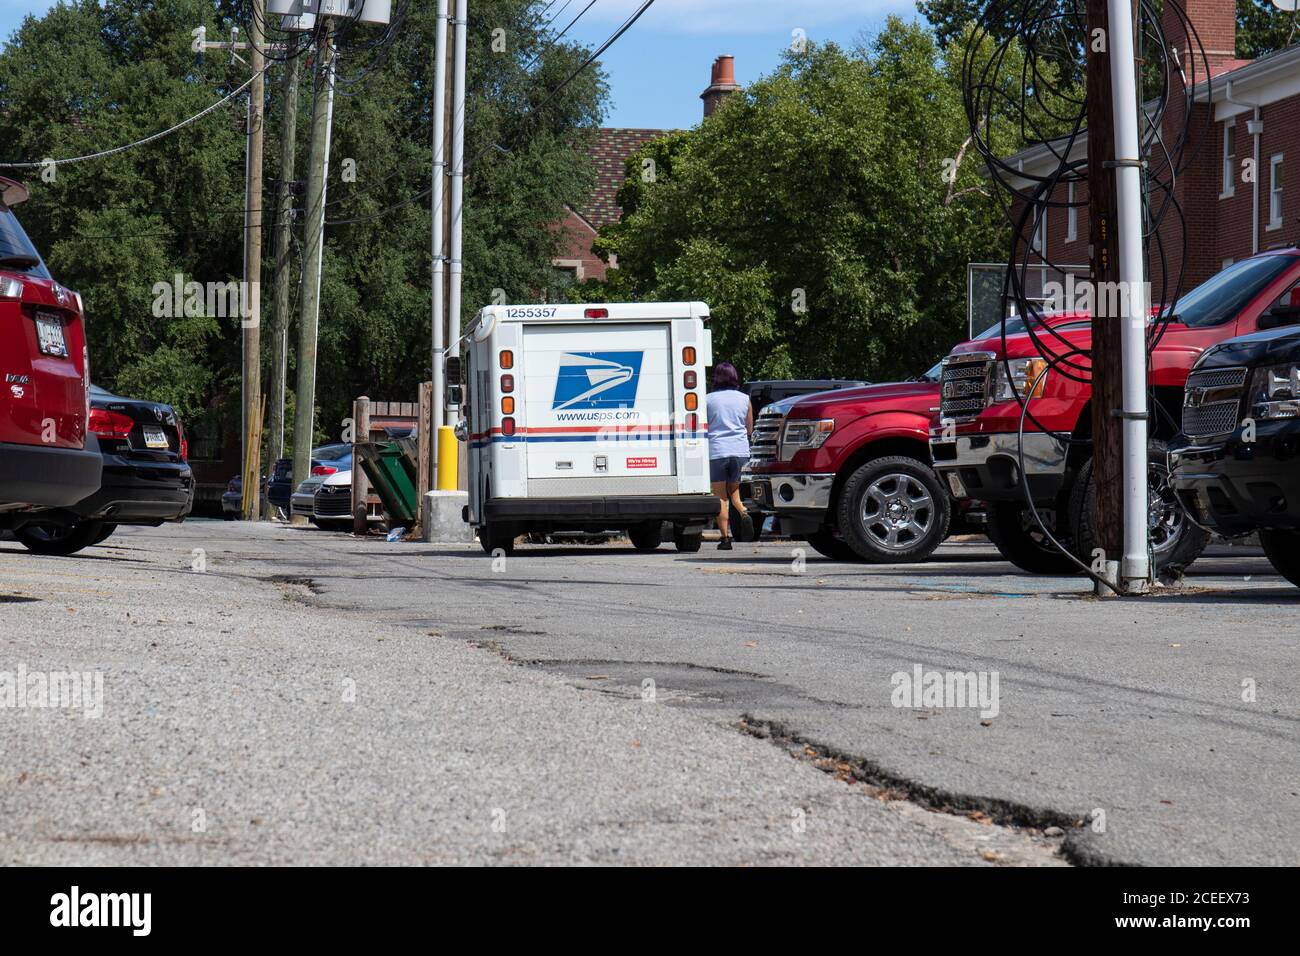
726,469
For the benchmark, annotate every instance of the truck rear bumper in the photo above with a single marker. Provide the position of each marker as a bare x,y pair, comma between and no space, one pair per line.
49,477
609,512
785,493
987,467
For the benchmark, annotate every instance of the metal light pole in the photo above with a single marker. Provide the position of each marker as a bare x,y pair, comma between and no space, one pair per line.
1135,565
457,180
439,243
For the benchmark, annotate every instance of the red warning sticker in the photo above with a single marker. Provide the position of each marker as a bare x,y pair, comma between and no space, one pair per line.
643,462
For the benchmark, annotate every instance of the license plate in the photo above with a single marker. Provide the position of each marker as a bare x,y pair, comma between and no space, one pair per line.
154,437
49,335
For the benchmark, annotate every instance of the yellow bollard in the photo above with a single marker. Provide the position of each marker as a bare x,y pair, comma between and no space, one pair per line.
448,452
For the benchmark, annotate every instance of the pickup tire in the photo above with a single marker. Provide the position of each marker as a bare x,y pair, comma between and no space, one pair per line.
647,537
1011,527
893,511
1282,548
1176,541
54,539
827,545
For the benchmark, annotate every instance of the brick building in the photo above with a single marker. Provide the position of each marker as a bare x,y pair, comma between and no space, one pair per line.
1253,108
610,152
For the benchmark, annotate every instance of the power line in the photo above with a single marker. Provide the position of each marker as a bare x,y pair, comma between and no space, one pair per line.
559,36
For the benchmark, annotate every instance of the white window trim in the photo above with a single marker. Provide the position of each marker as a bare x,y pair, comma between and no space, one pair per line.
1038,239
1071,215
1274,162
1228,173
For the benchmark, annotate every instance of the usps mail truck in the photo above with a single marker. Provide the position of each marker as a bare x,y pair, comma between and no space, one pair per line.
588,418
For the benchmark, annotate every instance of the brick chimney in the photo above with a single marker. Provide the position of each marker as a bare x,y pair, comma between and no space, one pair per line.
723,83
1215,22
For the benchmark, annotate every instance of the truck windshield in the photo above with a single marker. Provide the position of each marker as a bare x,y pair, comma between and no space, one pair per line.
1221,298
17,254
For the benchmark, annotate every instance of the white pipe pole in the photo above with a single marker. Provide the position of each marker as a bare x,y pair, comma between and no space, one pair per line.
457,175
1135,566
439,239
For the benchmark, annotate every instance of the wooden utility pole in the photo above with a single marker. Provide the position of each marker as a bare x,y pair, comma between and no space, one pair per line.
360,483
313,249
251,300
279,330
1107,395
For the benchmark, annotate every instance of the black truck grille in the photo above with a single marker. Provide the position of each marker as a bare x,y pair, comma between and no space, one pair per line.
334,504
767,434
965,386
1212,401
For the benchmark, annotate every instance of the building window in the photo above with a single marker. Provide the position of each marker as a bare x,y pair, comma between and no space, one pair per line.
1039,242
1275,192
1071,215
1229,159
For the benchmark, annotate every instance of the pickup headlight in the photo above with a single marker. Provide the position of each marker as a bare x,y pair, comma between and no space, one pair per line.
800,434
1024,374
1275,392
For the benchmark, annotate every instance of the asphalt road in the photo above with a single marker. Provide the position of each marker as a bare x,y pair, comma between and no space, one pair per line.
248,713
1123,723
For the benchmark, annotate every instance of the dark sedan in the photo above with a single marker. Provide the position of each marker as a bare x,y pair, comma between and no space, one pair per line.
146,478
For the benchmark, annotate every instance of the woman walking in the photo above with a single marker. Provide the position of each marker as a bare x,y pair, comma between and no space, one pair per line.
731,420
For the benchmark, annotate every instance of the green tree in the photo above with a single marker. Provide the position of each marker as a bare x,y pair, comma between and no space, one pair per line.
89,75
826,213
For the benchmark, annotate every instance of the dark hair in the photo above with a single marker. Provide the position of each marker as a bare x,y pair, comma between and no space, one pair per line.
725,376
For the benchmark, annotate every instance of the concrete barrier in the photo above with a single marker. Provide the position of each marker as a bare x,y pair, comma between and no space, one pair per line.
440,516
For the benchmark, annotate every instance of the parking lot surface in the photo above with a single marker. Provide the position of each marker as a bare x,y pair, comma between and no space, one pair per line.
313,697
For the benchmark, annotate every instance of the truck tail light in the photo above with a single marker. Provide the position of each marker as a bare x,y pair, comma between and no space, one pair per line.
692,423
185,442
688,355
689,379
597,313
108,424
508,405
692,401
507,358
507,383
507,426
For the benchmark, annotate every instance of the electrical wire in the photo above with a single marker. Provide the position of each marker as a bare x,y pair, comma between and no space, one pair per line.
1022,68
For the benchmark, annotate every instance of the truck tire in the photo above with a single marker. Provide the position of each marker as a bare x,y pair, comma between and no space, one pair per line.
647,536
827,545
687,543
893,511
1176,541
43,538
495,537
1011,527
1282,548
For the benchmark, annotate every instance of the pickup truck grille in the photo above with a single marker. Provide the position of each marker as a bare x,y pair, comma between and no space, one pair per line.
965,386
767,435
1212,401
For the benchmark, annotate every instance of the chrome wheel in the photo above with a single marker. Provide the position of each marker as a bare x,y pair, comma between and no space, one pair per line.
897,511
1165,518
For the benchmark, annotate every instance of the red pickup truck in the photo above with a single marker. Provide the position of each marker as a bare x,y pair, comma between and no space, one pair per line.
44,392
849,471
975,440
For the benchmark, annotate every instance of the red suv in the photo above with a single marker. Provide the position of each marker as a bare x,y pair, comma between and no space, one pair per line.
46,458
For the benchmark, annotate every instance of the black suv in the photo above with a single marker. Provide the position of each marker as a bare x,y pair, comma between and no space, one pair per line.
1236,465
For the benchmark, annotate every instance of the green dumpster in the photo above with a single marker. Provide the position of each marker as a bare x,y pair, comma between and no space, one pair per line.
391,468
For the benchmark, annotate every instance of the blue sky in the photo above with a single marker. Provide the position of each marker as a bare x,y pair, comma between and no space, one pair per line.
659,68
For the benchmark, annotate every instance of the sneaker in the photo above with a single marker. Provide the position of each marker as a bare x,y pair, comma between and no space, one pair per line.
724,544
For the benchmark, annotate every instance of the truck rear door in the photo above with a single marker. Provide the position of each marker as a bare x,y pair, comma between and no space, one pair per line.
599,400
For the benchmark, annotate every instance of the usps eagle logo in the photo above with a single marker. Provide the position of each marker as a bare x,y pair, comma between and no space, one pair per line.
597,380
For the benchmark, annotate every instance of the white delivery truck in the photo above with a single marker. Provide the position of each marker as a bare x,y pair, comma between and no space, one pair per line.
588,418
